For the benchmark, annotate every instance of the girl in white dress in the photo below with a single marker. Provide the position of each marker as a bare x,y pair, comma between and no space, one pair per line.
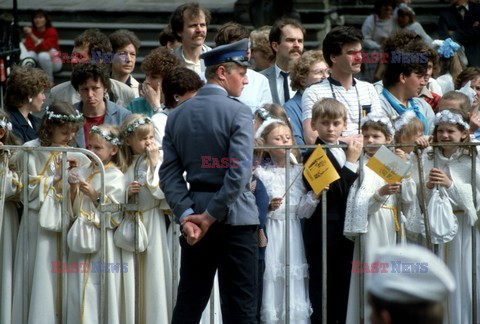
372,210
42,226
155,271
454,173
84,235
302,204
9,222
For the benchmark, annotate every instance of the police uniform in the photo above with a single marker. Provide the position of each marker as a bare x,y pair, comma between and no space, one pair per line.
214,127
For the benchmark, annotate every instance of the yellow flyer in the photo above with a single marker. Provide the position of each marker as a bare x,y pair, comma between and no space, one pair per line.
388,165
319,171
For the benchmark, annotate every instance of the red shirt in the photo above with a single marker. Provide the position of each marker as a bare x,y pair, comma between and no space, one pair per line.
433,102
50,40
89,122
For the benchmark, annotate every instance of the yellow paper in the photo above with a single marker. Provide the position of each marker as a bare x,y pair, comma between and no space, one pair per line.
319,171
388,166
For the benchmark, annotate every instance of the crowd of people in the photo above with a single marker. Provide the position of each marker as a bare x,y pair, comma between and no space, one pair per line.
187,145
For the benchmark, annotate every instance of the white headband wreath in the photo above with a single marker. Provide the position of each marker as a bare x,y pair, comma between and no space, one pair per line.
404,119
68,118
447,117
4,124
134,125
380,119
105,135
265,124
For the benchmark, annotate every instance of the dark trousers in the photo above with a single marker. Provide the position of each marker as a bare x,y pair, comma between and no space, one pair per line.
233,250
339,258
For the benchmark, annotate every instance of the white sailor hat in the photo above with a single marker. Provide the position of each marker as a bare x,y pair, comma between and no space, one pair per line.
414,274
235,52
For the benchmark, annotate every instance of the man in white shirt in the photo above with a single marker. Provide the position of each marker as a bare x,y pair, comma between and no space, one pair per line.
189,25
342,51
286,39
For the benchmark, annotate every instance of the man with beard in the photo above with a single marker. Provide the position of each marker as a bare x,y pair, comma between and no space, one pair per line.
403,81
189,25
286,39
342,51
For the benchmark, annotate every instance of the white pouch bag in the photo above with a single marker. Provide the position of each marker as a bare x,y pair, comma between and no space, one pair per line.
443,222
124,236
50,216
84,236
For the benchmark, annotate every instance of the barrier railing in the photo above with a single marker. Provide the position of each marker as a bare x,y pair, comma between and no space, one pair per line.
174,233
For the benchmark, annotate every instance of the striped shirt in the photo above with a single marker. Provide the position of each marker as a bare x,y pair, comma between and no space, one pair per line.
360,97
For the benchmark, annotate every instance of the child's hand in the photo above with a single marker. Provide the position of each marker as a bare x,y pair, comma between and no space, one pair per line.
153,153
354,137
438,177
133,188
474,122
354,150
422,141
401,154
275,203
389,189
88,190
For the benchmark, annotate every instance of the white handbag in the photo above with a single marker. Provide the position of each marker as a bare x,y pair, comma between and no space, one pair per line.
83,236
124,236
443,222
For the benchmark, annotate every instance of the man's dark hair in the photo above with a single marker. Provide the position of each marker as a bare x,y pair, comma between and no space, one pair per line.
193,9
122,38
96,41
408,64
411,313
276,30
231,32
337,38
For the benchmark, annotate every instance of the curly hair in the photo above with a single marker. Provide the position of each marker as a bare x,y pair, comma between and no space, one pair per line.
84,72
24,83
399,40
179,81
189,11
118,159
260,42
300,68
160,61
122,38
45,130
337,38
231,32
95,40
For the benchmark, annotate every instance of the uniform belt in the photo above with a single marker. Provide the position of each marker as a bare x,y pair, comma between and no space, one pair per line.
205,187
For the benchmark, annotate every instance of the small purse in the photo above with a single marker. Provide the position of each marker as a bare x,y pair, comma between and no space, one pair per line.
83,236
443,222
124,236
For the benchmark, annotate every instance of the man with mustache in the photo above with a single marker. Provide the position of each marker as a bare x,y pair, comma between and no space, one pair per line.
286,39
342,50
189,25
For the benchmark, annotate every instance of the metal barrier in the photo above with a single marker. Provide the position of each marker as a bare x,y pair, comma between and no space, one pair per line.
103,208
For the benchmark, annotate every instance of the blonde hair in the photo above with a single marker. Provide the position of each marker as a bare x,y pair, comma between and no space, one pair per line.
262,141
138,132
9,138
411,128
119,158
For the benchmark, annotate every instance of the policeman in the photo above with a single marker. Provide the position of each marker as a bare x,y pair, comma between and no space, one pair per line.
218,213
